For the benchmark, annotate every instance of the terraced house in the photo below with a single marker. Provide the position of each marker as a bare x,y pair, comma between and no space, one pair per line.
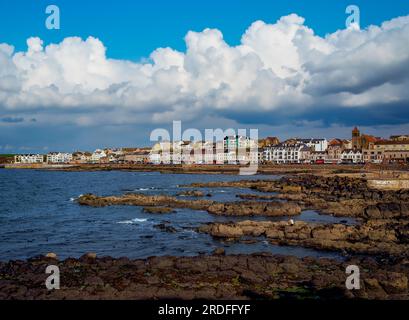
59,157
286,153
29,158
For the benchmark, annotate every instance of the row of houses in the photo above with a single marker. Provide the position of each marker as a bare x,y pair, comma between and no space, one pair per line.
240,149
301,153
231,150
125,155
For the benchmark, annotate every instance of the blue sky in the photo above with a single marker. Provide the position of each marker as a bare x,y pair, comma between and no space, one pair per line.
132,30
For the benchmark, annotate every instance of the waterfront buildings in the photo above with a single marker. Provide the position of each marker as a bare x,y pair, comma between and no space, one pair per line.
351,156
286,153
318,145
29,158
97,155
59,157
237,149
232,150
361,141
80,157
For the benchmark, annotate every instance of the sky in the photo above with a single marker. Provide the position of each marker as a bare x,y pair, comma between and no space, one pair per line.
116,70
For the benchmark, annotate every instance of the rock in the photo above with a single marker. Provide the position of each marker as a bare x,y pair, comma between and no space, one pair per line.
51,255
89,258
394,283
252,208
295,189
91,255
375,237
191,193
219,252
237,277
166,228
158,210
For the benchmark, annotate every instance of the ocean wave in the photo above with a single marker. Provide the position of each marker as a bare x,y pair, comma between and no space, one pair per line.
146,189
133,221
73,199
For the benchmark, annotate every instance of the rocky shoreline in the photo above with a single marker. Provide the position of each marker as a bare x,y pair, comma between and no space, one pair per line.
243,208
268,169
257,276
372,238
378,244
334,195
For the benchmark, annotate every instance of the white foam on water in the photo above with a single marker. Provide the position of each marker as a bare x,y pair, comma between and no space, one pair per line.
133,221
73,199
146,189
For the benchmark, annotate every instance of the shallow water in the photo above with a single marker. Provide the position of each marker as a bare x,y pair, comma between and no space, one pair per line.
39,214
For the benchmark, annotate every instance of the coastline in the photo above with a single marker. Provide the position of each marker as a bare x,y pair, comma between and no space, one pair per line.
199,169
259,276
377,243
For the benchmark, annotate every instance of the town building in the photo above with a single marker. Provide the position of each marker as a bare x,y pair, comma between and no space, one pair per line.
80,157
318,145
318,157
285,153
351,156
29,158
361,141
401,156
391,145
59,157
387,150
97,155
403,137
136,157
334,151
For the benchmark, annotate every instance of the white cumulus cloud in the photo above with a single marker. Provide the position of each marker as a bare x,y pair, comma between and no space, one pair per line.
278,69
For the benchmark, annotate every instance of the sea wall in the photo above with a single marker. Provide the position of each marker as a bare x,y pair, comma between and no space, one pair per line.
389,184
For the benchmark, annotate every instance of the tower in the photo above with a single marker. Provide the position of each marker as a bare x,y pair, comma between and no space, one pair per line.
356,138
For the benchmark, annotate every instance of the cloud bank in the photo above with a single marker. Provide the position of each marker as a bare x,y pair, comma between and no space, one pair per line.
279,72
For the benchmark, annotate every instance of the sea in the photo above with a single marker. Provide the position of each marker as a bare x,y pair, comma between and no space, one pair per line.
39,214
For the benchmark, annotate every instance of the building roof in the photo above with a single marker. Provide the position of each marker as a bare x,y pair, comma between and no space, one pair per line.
312,140
335,142
370,138
352,150
390,142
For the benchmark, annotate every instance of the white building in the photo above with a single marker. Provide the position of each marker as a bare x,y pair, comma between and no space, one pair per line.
81,157
285,153
59,157
232,150
318,145
97,155
351,156
238,142
239,149
155,157
29,158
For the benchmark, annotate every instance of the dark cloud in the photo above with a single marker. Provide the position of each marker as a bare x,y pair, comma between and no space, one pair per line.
12,120
372,115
